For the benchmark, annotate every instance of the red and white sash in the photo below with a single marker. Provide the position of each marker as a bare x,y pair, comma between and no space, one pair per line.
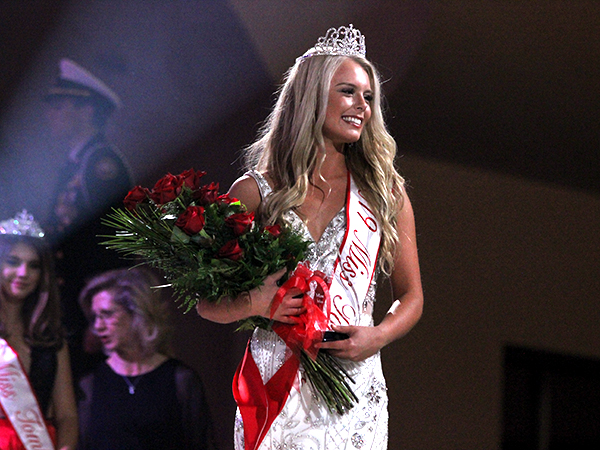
356,263
261,403
19,403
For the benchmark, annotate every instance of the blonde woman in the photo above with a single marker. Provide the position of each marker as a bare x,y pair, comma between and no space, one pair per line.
324,162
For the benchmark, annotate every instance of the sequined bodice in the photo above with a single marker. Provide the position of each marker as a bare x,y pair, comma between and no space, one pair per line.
322,254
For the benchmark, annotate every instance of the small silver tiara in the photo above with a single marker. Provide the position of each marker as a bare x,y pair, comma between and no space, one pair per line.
22,224
344,41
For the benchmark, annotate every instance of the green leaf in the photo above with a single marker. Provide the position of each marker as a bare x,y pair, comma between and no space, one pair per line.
179,236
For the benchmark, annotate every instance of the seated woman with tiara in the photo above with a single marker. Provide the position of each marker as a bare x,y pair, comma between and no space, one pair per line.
324,163
37,398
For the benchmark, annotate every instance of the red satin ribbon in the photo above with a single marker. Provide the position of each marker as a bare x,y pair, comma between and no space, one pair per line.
260,404
9,439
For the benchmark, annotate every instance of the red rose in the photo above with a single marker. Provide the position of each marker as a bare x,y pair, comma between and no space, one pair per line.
225,198
207,194
135,196
166,189
275,230
191,221
240,222
231,250
191,178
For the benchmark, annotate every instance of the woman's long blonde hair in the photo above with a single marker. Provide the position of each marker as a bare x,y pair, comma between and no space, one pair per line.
289,142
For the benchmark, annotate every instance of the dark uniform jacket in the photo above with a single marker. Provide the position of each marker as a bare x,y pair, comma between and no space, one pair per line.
97,179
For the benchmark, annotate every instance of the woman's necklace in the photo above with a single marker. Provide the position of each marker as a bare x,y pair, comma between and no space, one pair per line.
141,367
132,385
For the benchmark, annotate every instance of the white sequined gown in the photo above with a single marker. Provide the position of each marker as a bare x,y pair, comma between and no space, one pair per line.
305,422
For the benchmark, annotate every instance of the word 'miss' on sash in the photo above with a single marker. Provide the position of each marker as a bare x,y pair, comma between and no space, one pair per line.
19,402
356,263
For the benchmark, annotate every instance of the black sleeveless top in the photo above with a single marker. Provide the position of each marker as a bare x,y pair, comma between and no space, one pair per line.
42,375
167,411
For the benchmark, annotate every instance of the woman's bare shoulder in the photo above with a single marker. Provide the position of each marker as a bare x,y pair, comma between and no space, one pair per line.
246,190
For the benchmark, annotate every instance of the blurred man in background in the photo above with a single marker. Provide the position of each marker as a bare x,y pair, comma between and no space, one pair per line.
94,178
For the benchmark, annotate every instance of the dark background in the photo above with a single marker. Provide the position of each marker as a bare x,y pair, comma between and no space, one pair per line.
504,85
495,108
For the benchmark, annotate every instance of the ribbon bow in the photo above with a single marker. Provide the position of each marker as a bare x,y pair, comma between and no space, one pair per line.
311,324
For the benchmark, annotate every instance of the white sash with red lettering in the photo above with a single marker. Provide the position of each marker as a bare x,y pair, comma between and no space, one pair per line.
356,263
19,403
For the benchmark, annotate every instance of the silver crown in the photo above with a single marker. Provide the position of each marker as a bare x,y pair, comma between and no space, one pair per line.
22,224
344,41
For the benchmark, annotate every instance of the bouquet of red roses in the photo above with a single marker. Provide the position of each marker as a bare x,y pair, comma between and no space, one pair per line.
209,246
206,244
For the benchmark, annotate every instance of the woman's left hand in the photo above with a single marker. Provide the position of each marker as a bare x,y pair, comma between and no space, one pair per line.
361,343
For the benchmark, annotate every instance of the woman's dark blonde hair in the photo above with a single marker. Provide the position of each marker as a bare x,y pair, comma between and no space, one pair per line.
40,313
134,290
289,143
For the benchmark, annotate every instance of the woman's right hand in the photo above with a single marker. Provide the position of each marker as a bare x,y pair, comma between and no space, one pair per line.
257,302
262,300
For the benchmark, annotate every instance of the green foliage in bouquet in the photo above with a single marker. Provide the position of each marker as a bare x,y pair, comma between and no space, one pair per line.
206,244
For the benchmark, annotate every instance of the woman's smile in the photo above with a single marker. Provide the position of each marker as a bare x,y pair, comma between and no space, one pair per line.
348,106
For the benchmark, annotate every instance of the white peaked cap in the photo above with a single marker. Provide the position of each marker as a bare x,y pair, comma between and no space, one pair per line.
76,81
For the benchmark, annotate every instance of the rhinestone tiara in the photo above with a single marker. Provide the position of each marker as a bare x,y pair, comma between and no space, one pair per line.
22,224
343,41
